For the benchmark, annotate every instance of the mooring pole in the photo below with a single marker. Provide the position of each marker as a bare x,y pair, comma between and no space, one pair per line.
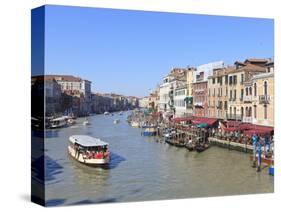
259,157
254,139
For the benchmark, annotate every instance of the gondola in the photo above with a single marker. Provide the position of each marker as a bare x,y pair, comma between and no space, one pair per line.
190,147
201,147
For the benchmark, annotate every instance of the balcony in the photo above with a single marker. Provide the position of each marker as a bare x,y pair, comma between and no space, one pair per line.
264,99
198,104
247,98
234,116
247,119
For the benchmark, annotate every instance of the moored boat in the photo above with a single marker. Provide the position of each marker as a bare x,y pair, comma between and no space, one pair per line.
86,122
149,131
135,124
200,147
88,150
58,122
106,113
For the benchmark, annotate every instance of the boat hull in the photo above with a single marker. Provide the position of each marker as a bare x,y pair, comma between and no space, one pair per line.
74,154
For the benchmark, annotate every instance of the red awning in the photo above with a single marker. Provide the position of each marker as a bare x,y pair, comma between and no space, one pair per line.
231,129
256,132
209,121
233,123
181,119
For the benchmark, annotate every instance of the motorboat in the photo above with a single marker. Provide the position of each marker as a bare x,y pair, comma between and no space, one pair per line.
86,122
88,150
58,122
116,121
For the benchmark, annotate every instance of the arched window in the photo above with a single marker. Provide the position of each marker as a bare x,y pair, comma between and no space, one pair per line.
265,87
250,111
255,89
246,91
242,112
250,91
247,112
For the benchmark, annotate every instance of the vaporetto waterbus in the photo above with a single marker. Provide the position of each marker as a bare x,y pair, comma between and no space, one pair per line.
88,150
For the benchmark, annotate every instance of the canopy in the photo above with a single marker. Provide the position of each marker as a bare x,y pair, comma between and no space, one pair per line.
202,125
86,141
208,121
181,119
188,99
256,132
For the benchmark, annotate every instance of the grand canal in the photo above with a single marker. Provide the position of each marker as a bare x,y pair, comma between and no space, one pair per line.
143,168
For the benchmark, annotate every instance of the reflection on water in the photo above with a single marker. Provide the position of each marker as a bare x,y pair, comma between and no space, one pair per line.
143,168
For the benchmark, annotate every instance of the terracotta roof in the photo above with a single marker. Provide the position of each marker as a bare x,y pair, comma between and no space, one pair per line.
249,68
256,60
68,78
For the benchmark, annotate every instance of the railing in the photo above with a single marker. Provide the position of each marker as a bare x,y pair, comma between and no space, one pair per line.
198,104
247,119
264,99
234,116
247,98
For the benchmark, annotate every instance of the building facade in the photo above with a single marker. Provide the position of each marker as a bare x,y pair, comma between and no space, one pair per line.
263,97
180,100
200,87
240,89
218,93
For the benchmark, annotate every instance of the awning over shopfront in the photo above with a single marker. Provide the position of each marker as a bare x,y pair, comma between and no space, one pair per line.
182,119
258,132
208,121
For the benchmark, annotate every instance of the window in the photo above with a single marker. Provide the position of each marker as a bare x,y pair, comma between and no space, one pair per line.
242,112
214,80
242,78
225,105
230,94
265,88
255,111
234,79
265,111
226,80
230,80
242,94
247,92
235,94
255,89
250,91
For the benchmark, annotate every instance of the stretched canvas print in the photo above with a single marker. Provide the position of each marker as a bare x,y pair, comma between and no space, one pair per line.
138,105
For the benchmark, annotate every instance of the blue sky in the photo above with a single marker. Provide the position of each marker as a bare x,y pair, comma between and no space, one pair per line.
128,52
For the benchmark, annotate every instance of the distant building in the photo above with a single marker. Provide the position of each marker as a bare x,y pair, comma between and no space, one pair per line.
144,102
167,88
76,87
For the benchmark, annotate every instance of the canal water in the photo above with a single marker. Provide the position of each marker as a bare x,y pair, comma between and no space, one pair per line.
143,168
